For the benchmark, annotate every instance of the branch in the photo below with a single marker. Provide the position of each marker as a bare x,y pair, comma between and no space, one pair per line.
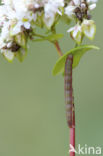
58,48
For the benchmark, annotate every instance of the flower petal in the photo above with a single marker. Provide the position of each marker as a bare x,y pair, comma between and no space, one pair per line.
92,6
77,2
69,11
89,29
8,55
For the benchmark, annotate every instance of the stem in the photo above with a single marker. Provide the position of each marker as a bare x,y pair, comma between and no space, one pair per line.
58,48
69,100
72,134
38,35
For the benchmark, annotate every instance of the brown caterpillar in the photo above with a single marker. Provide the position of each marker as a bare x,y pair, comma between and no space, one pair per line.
69,99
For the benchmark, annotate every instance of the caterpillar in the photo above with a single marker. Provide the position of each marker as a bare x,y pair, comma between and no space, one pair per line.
69,99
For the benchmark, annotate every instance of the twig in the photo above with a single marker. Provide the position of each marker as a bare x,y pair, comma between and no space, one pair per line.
72,134
38,35
58,48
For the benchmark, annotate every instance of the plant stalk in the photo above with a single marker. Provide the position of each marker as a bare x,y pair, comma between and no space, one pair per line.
58,48
72,135
69,100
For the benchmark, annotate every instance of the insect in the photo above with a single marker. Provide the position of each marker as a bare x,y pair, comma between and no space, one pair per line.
69,99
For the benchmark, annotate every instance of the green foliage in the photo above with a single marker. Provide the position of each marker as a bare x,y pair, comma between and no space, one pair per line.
65,19
54,37
77,53
21,40
39,22
21,54
51,38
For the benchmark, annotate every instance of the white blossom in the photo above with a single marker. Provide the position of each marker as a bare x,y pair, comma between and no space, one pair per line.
17,16
8,55
50,9
89,28
76,33
73,4
69,11
80,10
20,17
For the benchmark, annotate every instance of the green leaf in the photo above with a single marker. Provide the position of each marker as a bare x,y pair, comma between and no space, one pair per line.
39,22
54,37
21,54
51,38
9,56
77,53
65,19
21,40
39,40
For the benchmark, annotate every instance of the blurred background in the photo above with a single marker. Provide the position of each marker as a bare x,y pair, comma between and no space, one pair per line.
32,108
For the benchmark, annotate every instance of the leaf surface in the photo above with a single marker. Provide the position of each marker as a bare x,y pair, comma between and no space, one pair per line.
77,53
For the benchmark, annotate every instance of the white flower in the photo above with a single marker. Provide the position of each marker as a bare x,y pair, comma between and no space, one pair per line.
76,33
50,10
92,1
77,2
19,18
69,11
79,10
8,55
89,28
92,6
80,4
7,2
